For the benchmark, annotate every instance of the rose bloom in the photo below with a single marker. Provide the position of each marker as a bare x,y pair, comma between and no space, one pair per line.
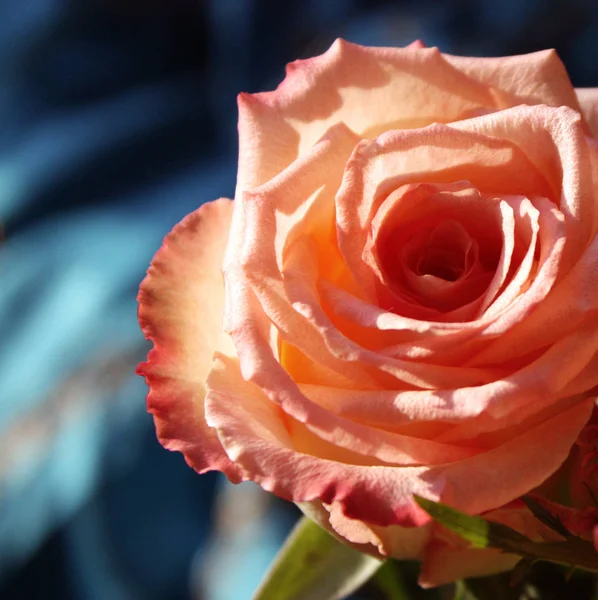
409,301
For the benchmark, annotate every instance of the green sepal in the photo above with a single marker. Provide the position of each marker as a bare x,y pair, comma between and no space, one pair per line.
314,565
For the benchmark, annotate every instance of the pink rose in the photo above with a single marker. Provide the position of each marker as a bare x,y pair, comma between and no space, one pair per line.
410,291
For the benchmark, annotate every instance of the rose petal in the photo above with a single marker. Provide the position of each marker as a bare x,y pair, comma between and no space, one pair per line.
537,386
444,563
488,221
259,295
253,434
455,343
394,88
571,149
537,78
323,433
588,101
558,314
433,155
367,541
180,310
555,142
297,313
400,543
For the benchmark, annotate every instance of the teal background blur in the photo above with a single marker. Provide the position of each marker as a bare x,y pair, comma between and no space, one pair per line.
118,117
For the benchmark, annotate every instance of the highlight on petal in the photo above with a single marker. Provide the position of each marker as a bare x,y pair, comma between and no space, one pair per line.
373,90
535,78
554,141
180,311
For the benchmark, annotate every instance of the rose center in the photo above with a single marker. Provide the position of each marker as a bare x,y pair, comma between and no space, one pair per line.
442,264
445,252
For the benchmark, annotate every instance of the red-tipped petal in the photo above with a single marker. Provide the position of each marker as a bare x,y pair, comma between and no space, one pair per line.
180,311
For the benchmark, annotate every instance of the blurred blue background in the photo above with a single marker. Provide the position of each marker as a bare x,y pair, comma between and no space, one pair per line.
118,117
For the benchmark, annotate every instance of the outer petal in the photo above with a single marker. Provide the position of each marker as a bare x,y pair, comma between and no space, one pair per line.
588,100
255,434
373,90
180,311
445,563
401,543
364,538
537,78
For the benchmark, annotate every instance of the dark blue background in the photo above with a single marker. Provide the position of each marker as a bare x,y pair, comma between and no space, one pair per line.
118,117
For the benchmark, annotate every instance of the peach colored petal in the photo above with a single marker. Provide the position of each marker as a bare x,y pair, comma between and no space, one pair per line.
527,220
303,369
487,221
561,312
478,483
523,298
485,431
373,90
401,543
263,283
296,311
354,531
444,563
570,151
521,223
531,389
277,127
322,433
180,311
537,78
546,378
382,408
265,217
457,342
517,392
554,141
252,432
588,100
259,294
316,511
433,155
254,436
270,214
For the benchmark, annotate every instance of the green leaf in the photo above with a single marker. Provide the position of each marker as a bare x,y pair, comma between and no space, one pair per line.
476,530
313,565
461,592
487,534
